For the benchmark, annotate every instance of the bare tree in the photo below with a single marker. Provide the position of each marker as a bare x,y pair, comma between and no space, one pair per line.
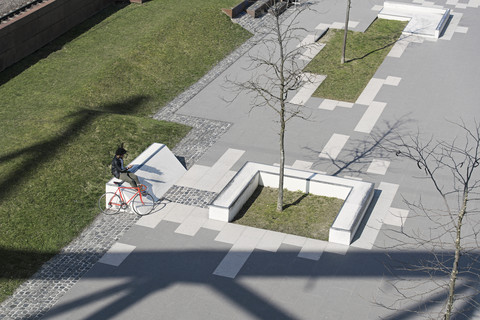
451,258
278,72
347,18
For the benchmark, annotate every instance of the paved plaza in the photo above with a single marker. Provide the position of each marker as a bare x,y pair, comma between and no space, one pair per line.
178,264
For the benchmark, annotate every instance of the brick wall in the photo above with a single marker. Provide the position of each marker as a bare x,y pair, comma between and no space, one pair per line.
33,29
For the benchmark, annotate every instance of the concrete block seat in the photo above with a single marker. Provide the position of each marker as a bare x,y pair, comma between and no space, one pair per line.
356,195
423,21
157,168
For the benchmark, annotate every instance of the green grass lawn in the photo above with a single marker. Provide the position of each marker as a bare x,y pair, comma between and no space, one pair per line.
304,215
364,54
64,109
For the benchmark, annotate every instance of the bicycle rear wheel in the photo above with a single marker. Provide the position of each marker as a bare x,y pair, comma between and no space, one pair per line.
109,203
143,204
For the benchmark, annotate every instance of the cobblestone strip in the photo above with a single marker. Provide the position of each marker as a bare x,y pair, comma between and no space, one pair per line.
38,294
190,196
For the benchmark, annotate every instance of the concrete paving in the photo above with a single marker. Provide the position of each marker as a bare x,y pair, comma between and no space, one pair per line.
176,263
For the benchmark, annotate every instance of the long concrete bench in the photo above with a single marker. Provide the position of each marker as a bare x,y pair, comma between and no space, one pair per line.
356,195
239,8
157,168
259,7
423,21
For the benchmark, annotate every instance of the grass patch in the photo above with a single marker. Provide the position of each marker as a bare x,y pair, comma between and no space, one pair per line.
65,108
364,54
304,215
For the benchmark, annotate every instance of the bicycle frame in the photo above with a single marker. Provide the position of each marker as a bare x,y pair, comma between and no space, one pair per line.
121,193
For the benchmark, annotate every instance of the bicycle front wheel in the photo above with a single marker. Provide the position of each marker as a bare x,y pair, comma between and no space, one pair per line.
143,204
109,203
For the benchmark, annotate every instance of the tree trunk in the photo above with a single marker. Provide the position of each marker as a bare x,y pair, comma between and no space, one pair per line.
347,18
458,248
282,159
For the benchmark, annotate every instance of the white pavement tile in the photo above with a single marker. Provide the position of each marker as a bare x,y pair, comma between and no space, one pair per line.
393,81
322,26
179,213
217,172
370,117
311,51
193,222
215,225
294,240
309,39
312,249
341,25
354,178
117,254
312,81
378,166
233,262
302,165
344,104
336,248
473,3
230,233
334,146
461,29
370,91
271,241
152,220
328,104
192,176
377,7
396,217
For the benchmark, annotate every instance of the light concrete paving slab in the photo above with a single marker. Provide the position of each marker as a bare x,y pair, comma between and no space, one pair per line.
396,217
311,83
312,249
218,171
233,262
378,166
271,241
302,165
370,117
179,213
117,254
152,220
334,146
370,91
294,240
193,222
192,176
230,233
214,225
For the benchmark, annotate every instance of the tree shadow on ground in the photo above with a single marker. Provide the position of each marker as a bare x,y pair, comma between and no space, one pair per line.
157,275
46,151
355,161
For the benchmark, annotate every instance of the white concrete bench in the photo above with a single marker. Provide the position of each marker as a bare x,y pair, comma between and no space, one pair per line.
157,168
424,21
356,195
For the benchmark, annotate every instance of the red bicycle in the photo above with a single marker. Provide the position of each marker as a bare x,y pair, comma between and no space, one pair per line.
142,202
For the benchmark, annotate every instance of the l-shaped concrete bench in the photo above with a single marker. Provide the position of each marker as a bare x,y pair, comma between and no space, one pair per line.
423,20
157,168
356,195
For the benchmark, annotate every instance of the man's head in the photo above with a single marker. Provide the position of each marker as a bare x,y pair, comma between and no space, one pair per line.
120,151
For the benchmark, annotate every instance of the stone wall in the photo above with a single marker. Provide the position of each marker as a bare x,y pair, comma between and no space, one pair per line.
31,30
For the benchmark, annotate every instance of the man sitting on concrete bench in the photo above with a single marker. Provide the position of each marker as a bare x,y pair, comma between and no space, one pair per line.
122,173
